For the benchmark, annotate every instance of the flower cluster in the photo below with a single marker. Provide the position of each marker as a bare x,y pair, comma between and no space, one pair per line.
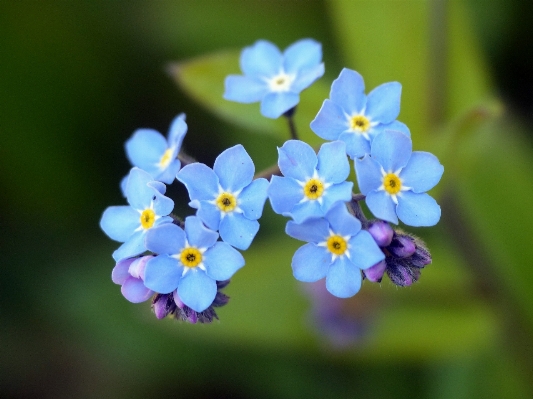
182,264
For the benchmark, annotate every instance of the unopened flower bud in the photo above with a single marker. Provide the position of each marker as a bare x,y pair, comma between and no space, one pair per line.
400,273
160,306
375,273
381,232
402,246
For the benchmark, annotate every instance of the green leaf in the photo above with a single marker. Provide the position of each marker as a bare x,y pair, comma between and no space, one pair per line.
203,79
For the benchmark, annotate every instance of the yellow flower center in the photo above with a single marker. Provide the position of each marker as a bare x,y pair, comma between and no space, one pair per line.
147,218
337,245
165,159
190,257
314,189
359,123
392,183
226,202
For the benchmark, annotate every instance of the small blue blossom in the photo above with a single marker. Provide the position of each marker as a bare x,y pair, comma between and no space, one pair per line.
129,273
274,78
191,261
351,116
395,180
337,249
227,197
148,208
148,150
311,183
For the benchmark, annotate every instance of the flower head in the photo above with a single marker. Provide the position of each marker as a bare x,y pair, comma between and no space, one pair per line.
129,273
337,249
274,78
351,116
227,197
311,183
191,261
395,180
149,150
148,208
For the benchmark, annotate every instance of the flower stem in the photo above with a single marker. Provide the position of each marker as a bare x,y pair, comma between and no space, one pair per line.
355,208
185,159
292,127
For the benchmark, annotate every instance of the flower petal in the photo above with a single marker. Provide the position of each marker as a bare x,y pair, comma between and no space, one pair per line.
364,251
418,209
135,291
330,121
343,222
119,222
276,104
306,77
234,168
348,91
138,192
297,160
133,247
303,54
120,271
338,192
306,210
177,131
197,290
252,198
422,172
197,234
396,126
333,165
284,193
200,180
238,231
222,261
312,230
209,213
145,148
162,274
244,89
368,172
357,145
392,150
169,174
382,206
162,205
310,263
383,103
261,59
167,239
344,278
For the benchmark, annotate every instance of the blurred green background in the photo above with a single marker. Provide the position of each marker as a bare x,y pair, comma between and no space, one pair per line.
78,77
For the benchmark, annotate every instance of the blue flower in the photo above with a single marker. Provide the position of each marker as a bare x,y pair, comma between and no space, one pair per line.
312,184
349,115
129,273
227,197
190,261
149,150
274,78
337,249
395,179
148,208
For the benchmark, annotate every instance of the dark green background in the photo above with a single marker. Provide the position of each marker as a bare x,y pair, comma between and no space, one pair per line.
78,77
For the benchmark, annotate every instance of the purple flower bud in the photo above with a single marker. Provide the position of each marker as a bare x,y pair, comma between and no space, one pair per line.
375,273
381,232
421,257
400,273
402,246
160,307
136,268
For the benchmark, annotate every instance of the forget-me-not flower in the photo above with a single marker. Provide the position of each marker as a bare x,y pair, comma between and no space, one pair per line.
191,261
149,150
395,180
129,273
227,197
312,183
337,249
355,118
274,78
148,208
